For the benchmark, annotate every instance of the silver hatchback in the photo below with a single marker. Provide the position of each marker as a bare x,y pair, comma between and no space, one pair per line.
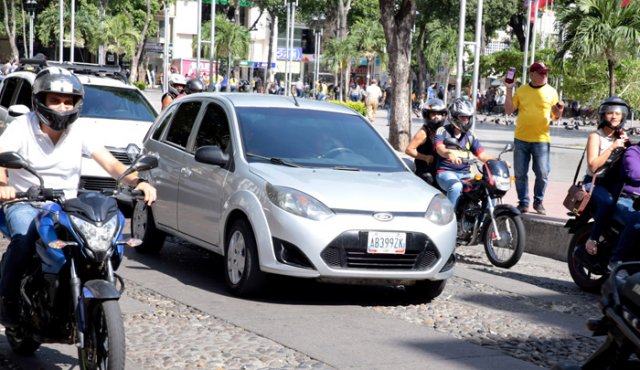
298,188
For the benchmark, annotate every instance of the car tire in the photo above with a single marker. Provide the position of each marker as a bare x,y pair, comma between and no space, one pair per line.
241,265
143,227
426,290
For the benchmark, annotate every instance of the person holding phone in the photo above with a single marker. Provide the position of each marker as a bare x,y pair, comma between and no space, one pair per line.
538,105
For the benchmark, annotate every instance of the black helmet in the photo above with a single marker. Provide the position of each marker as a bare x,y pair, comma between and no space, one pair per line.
613,104
434,105
61,81
461,107
194,85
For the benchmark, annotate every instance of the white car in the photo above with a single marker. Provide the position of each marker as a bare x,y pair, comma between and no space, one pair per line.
293,187
118,113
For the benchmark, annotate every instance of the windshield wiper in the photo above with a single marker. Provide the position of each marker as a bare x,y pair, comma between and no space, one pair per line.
273,160
345,168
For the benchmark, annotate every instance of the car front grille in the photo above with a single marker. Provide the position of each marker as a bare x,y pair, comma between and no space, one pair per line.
96,183
349,251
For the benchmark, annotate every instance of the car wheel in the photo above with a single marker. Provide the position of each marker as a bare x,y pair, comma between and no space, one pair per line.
426,290
241,265
143,227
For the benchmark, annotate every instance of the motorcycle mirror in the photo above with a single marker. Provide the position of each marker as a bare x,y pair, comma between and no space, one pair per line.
145,163
451,142
508,148
12,160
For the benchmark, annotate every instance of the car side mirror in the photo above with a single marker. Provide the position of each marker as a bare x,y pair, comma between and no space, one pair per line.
18,110
211,154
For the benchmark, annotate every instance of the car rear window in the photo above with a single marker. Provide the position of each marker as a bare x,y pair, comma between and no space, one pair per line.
313,138
116,103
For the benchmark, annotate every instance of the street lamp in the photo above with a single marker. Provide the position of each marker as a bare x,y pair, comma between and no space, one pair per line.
317,20
30,6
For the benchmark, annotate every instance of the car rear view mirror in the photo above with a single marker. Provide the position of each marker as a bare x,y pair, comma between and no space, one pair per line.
211,154
18,110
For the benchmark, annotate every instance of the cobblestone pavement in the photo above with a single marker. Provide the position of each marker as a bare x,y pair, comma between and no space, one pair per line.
170,335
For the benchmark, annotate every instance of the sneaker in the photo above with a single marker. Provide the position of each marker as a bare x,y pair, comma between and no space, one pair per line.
538,207
523,208
8,313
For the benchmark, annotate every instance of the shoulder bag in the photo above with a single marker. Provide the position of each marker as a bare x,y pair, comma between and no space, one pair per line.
578,198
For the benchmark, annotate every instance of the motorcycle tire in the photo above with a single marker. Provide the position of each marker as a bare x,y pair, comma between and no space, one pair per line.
510,251
104,340
20,343
143,227
241,264
584,278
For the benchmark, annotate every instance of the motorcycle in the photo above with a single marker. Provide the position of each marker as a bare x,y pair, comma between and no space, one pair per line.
69,292
481,215
620,305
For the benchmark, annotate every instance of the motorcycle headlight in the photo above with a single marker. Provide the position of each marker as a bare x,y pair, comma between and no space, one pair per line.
502,183
440,210
99,238
298,203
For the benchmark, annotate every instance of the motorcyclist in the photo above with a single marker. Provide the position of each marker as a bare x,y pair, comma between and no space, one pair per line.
451,167
193,86
54,148
177,83
421,146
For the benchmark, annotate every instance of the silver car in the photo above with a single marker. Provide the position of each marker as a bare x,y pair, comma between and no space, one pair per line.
293,187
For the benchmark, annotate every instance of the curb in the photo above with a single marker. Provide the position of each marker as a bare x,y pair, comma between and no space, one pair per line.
546,237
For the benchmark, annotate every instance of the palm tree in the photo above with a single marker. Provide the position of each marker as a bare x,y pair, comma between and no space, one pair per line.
368,39
338,55
441,50
600,30
120,35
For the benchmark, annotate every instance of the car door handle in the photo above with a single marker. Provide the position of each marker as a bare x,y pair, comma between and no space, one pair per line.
185,171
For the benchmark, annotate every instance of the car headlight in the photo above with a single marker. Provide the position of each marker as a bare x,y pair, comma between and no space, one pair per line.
298,203
502,183
440,210
99,238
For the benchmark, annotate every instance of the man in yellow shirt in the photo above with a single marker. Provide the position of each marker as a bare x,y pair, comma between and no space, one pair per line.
538,105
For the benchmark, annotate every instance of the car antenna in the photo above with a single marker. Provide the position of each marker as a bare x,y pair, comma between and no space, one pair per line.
295,100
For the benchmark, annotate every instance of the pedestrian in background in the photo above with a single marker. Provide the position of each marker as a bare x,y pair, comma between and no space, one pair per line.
538,105
386,98
372,99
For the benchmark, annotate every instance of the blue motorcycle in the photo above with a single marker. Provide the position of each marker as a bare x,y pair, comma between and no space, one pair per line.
69,293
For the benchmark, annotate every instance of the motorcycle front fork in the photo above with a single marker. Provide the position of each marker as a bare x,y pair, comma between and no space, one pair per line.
491,202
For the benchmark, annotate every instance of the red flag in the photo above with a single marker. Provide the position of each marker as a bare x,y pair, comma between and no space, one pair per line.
625,3
541,5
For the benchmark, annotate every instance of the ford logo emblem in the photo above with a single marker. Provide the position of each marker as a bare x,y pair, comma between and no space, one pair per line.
383,216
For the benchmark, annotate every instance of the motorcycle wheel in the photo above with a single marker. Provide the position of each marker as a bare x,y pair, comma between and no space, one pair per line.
507,251
143,227
20,343
104,340
241,265
581,275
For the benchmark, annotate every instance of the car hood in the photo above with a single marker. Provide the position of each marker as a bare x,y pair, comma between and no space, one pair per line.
116,133
353,190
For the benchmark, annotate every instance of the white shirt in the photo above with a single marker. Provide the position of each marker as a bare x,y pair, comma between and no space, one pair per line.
59,165
373,92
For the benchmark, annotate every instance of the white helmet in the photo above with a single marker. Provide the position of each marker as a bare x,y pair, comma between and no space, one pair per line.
177,79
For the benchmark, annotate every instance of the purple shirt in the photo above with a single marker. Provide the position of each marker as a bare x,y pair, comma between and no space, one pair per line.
631,167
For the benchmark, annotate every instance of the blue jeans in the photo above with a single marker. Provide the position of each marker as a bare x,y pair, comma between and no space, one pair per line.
624,250
388,108
450,182
603,205
523,153
22,230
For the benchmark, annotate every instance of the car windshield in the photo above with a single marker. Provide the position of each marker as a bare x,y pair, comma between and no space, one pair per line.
115,103
312,138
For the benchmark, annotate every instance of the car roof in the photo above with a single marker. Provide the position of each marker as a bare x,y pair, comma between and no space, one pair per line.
272,101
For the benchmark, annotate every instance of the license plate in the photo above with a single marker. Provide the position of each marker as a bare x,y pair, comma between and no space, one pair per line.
386,243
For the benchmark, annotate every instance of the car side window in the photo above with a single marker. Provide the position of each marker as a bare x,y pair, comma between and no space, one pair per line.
157,134
182,124
24,96
8,89
214,128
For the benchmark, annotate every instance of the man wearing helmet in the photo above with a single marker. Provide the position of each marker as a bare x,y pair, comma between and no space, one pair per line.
54,147
451,165
422,144
194,86
537,104
177,83
601,146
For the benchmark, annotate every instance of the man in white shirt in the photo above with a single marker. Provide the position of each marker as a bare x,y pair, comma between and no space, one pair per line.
54,147
372,98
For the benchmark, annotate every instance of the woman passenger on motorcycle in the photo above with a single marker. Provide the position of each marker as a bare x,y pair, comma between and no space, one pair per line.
451,164
54,147
600,145
421,146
